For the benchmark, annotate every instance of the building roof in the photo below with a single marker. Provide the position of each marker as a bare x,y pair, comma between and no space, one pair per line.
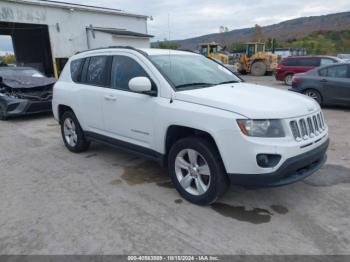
65,5
120,32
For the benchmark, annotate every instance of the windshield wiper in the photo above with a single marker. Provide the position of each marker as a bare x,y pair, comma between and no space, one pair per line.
194,84
228,82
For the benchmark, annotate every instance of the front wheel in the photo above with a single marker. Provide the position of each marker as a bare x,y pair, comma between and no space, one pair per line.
72,133
258,68
314,94
197,171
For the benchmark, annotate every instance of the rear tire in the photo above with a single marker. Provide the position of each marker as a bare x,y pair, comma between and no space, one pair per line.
288,79
197,171
313,93
72,133
258,69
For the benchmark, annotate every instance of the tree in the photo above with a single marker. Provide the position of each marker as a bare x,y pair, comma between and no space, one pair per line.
257,34
166,45
223,31
8,59
237,46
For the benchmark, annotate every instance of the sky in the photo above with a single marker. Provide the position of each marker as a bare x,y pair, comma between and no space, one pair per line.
181,19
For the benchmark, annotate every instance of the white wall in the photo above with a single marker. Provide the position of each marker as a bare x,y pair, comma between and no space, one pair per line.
102,38
71,36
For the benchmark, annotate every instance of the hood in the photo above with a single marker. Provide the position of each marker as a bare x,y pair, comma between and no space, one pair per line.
251,100
27,81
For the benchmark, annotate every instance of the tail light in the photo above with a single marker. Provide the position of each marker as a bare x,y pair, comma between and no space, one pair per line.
295,80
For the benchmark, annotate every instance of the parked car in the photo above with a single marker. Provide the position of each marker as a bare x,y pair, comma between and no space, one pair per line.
291,65
328,85
193,116
24,90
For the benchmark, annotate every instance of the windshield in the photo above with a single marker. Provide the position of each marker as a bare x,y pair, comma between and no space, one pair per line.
193,71
13,72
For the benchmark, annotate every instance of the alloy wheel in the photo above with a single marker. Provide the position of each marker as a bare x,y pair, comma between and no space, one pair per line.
70,134
192,172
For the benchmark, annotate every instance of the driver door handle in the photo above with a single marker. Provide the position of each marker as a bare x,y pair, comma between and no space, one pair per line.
324,80
110,98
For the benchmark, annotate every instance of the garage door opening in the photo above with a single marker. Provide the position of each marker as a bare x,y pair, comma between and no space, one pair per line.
7,56
31,45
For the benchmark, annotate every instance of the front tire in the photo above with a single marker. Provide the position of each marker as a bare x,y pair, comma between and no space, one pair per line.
258,69
72,133
197,171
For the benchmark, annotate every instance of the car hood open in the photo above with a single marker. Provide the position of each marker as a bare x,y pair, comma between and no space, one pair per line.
251,100
27,81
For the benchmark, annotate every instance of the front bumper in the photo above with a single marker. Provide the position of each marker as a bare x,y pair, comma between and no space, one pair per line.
18,107
292,170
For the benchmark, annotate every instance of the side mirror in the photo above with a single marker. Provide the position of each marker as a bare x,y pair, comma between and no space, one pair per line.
140,85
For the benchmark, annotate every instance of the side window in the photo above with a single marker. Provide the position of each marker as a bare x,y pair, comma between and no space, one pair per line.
290,62
76,67
326,61
124,69
309,62
337,71
97,71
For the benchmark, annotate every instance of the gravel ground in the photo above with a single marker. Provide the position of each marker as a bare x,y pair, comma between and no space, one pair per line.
107,202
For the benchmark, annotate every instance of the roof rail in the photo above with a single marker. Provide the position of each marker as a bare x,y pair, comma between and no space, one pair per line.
112,47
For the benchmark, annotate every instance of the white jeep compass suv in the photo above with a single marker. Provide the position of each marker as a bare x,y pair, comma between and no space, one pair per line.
192,115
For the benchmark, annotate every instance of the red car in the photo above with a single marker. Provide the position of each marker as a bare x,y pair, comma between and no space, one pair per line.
291,65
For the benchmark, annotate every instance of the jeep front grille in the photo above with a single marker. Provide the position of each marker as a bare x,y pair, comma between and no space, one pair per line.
307,127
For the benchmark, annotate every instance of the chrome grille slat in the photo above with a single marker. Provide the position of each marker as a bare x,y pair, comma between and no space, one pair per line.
307,127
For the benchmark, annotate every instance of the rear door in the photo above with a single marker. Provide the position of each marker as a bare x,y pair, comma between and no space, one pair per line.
336,83
95,78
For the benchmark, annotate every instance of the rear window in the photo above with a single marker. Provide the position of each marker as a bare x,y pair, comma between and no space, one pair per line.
97,72
76,67
308,62
301,62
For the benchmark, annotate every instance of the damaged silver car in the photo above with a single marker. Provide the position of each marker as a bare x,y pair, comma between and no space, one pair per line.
23,91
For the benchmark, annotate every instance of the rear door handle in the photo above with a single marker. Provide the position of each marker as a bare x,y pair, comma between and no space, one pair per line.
324,80
110,97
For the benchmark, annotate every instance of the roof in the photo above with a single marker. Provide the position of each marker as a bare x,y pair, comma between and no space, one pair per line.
144,51
120,32
155,51
65,5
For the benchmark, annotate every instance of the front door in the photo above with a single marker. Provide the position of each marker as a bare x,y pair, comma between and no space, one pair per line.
128,116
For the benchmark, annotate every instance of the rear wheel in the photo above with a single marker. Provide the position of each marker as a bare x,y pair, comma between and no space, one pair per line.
258,69
314,94
72,133
197,171
288,79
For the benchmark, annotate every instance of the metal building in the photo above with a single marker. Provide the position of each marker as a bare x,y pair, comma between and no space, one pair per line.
46,33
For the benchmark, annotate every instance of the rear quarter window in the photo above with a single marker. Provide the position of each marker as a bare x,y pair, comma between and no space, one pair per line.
290,62
76,67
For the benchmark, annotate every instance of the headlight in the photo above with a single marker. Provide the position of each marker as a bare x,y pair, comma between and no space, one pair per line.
261,128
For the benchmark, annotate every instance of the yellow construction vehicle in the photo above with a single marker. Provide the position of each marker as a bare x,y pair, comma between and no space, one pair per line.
215,51
256,60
